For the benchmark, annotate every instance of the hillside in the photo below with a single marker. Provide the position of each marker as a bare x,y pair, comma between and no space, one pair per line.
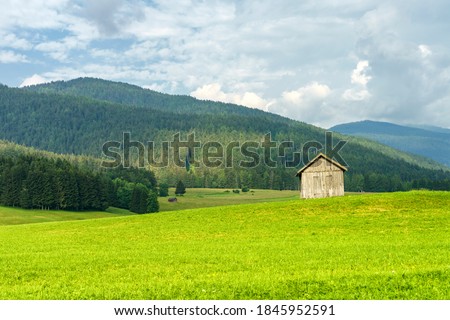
372,246
64,117
131,95
429,142
13,215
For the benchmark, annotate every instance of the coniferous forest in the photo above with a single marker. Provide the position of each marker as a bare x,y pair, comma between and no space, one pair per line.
37,182
79,116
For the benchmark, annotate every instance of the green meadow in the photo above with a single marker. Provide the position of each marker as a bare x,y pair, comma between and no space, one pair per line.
369,246
12,216
204,197
194,198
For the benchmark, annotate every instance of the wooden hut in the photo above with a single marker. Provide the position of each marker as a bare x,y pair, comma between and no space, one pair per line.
322,177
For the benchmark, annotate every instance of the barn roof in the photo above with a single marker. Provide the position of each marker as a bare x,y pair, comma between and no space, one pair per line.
321,155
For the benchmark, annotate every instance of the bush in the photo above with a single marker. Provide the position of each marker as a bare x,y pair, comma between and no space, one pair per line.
236,191
245,189
152,204
163,190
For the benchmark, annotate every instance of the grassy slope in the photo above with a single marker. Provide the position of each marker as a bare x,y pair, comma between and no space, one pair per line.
204,197
12,216
194,198
377,246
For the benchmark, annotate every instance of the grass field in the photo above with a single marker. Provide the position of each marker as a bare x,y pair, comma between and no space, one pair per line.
377,246
12,216
202,198
194,198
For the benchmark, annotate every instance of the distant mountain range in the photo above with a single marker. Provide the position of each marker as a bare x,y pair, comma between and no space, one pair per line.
427,141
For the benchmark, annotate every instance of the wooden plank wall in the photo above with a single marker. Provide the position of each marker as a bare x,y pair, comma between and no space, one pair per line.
322,179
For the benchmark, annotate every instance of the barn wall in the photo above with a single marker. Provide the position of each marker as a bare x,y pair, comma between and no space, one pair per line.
322,179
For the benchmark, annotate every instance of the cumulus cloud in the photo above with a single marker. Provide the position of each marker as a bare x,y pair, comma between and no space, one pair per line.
359,75
214,92
408,78
10,40
382,60
310,93
33,80
35,14
308,103
60,50
360,79
8,56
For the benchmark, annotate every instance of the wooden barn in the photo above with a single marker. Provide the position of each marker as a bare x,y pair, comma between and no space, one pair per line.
322,177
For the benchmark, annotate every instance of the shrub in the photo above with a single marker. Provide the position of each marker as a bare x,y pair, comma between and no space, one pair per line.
163,190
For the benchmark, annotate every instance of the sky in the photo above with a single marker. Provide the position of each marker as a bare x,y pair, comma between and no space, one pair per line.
322,62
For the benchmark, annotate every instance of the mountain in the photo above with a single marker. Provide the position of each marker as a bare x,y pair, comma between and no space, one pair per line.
80,115
131,95
427,141
431,128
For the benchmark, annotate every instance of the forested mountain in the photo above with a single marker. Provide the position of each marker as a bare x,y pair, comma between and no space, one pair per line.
430,142
79,116
131,95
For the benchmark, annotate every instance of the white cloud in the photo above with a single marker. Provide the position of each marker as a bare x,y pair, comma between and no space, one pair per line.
60,50
10,40
33,80
8,56
214,92
309,93
34,14
155,87
359,75
370,59
360,79
408,78
424,50
211,91
356,94
309,103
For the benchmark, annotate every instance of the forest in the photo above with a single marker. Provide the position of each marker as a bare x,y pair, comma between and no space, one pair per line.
79,116
34,181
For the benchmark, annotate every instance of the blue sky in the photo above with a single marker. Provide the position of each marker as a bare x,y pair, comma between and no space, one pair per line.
324,62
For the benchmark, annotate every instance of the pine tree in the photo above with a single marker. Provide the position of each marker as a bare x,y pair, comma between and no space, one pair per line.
139,199
180,188
102,193
152,203
32,184
25,200
48,190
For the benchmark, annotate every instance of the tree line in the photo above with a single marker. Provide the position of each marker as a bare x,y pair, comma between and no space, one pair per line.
374,182
33,182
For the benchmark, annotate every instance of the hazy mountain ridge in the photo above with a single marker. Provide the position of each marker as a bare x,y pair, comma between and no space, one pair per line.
431,142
